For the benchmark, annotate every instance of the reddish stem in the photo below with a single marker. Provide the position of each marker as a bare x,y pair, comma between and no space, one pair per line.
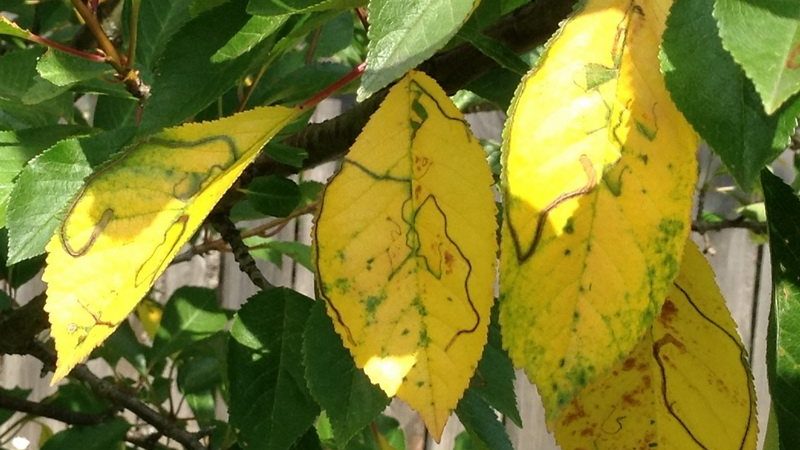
95,57
328,91
361,12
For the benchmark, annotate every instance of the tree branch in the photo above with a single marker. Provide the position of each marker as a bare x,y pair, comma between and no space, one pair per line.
51,411
127,400
227,229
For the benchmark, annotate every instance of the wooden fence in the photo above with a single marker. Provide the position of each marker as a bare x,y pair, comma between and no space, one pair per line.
741,265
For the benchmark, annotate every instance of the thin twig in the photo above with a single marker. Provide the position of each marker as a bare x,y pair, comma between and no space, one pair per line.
124,72
227,229
51,411
739,222
149,442
134,32
266,229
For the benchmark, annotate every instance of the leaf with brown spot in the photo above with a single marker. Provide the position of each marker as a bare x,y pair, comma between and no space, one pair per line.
686,386
599,168
406,245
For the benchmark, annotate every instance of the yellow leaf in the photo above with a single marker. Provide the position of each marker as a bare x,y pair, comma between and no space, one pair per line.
134,215
599,172
406,249
149,313
686,386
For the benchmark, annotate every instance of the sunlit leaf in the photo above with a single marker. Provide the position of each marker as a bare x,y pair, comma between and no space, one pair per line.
10,28
405,249
133,216
721,104
687,385
599,171
771,56
404,33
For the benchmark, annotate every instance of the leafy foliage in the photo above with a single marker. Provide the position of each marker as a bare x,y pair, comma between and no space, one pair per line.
130,130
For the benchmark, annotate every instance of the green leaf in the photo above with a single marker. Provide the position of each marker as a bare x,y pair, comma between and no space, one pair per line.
26,100
344,391
43,190
721,104
159,21
203,404
273,251
75,396
494,378
63,69
255,30
278,7
466,441
190,315
783,335
104,436
18,147
310,192
769,56
286,154
402,34
10,28
123,344
269,400
198,374
480,420
292,81
489,11
187,80
335,35
16,392
45,187
273,195
494,49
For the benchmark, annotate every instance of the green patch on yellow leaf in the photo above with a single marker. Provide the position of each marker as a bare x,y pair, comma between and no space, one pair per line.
132,217
599,171
687,385
405,249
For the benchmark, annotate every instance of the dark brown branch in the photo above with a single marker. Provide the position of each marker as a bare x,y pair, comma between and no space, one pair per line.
121,398
227,229
51,411
739,222
147,442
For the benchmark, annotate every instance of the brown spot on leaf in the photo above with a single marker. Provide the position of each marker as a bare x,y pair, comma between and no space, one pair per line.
576,413
448,262
793,60
629,399
668,312
629,364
